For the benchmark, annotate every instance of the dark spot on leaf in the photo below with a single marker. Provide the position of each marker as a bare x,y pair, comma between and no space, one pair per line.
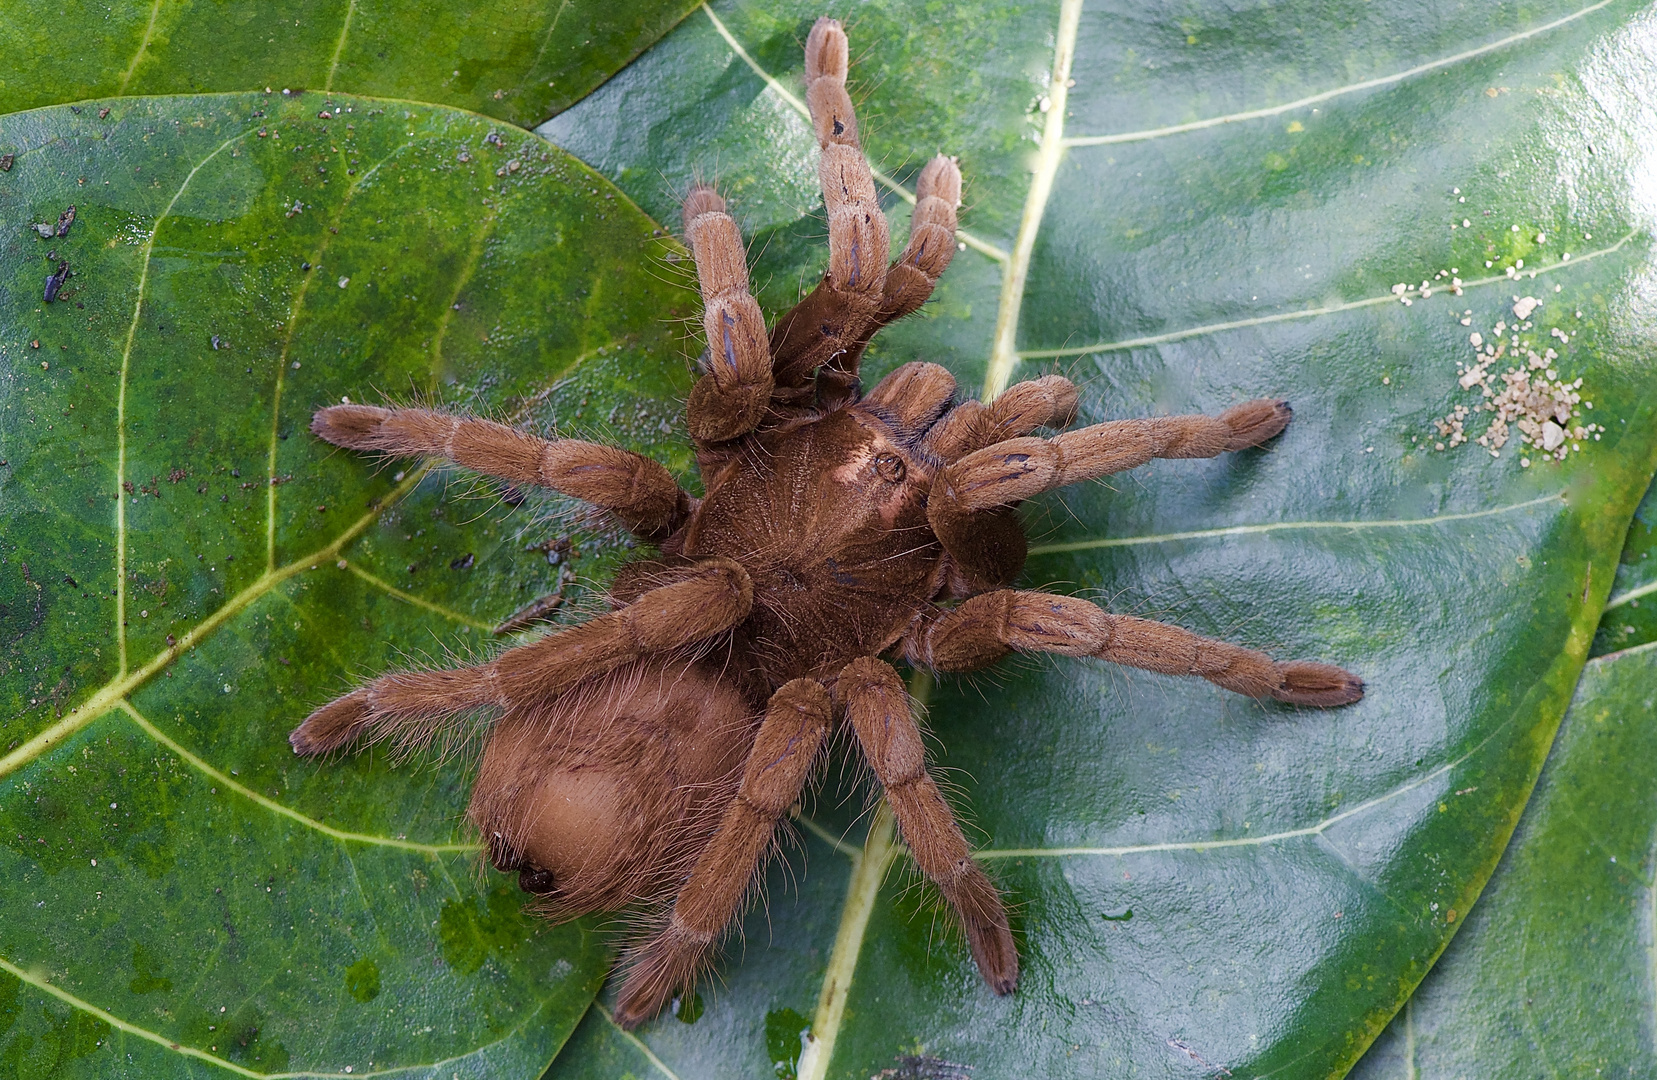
362,980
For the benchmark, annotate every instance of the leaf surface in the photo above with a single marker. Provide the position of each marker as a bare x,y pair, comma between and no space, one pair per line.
185,572
521,61
1630,617
1219,208
1552,973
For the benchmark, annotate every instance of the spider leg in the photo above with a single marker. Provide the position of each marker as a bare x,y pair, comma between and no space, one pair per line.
1049,401
796,719
1008,472
987,627
413,706
730,400
636,489
844,307
878,707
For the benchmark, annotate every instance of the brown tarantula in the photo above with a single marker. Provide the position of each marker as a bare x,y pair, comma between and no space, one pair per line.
648,754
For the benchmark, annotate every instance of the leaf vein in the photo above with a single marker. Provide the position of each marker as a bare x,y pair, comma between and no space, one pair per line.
275,807
1339,91
1270,527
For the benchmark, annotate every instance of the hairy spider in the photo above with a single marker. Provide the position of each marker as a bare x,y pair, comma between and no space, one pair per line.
648,753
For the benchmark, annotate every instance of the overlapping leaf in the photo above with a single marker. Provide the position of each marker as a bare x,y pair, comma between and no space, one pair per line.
1206,884
185,571
521,61
1552,973
1631,613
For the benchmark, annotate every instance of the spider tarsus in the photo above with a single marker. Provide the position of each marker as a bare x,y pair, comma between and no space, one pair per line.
1303,682
702,199
827,51
350,426
667,964
1253,422
940,178
331,726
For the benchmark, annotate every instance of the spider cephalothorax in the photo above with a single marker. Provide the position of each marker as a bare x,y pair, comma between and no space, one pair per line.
649,753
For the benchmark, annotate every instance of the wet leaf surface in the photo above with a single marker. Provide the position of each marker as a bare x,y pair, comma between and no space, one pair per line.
1233,200
185,572
1552,974
1630,617
521,61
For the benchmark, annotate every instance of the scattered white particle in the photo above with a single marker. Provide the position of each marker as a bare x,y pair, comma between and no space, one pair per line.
961,246
112,806
1515,228
1587,236
1488,264
1559,288
1369,449
1455,191
1565,257
227,688
1466,321
94,862
1541,238
1524,463
1045,103
1386,380
1524,306
345,401
1475,338
1520,263
398,477
1579,314
1553,436
344,281
1466,224
1462,199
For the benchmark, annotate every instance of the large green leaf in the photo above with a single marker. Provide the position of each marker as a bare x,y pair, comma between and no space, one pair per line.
522,60
185,572
1553,973
1219,208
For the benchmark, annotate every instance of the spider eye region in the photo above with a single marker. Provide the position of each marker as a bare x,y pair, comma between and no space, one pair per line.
890,467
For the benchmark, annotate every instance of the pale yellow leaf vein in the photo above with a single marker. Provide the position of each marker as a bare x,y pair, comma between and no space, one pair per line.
339,45
1311,313
1353,88
1282,526
143,46
1004,343
880,849
638,1043
121,409
232,784
111,693
295,309
40,982
1233,842
418,601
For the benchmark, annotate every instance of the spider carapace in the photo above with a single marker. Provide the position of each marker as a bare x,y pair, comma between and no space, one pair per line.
645,757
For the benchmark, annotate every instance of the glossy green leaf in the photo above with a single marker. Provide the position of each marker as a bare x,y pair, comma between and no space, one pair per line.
1553,973
1630,617
185,572
521,61
1219,208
